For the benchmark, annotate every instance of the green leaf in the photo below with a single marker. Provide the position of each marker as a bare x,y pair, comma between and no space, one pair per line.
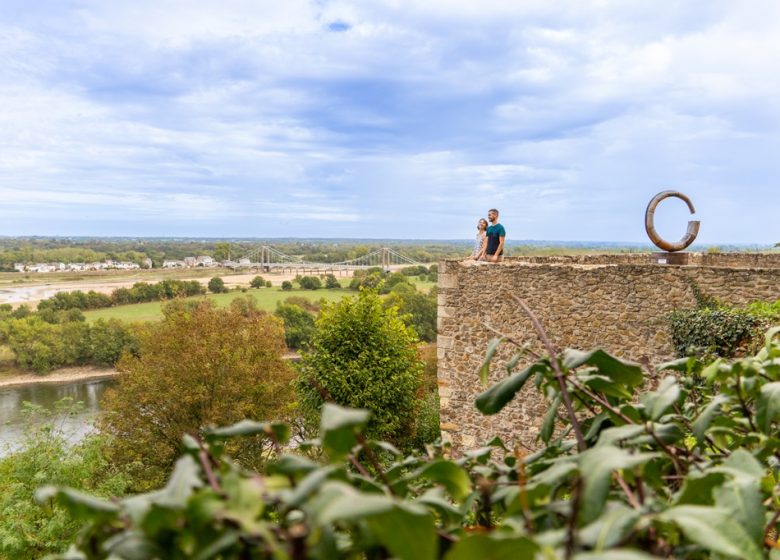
406,533
496,397
615,554
697,488
310,484
484,369
609,529
659,401
742,499
338,426
703,421
292,465
682,365
622,371
448,474
250,428
513,361
548,426
79,504
596,466
768,406
492,547
712,529
184,479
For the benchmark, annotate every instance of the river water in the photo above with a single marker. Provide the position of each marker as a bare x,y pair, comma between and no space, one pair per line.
15,422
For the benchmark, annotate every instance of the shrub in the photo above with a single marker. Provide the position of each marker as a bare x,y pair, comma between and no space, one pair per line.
257,282
268,284
217,285
310,283
331,282
287,286
197,367
722,331
362,355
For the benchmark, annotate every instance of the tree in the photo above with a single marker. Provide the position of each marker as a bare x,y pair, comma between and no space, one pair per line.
198,367
257,282
331,282
310,283
287,286
416,310
217,285
222,252
298,325
363,356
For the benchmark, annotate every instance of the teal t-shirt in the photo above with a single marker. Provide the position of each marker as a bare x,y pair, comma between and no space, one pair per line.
494,233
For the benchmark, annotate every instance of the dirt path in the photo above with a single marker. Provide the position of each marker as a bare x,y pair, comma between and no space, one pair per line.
64,375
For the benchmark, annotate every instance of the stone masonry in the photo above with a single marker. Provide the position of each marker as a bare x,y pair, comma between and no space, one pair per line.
616,302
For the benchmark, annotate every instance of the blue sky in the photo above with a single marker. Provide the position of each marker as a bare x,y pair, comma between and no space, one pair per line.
389,119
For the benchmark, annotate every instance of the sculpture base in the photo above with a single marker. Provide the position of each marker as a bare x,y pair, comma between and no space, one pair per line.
671,258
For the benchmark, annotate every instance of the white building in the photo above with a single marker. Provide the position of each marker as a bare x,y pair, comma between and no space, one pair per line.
173,264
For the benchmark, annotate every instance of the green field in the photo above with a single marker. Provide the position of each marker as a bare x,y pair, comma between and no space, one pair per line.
266,298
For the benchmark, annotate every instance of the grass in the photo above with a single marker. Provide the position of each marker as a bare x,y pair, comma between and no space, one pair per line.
266,298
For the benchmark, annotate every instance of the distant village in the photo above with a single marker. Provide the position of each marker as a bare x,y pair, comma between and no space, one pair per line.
203,261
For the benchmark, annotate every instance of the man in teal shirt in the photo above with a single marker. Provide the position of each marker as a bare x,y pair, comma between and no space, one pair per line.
496,234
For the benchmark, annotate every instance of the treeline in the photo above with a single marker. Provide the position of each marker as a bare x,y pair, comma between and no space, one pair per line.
53,339
26,250
140,292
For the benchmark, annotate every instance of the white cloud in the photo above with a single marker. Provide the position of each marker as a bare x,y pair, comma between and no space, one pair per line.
569,115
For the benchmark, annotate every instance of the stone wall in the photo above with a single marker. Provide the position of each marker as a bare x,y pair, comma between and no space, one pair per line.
616,302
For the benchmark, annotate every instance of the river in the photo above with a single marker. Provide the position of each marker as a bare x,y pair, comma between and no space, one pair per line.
14,420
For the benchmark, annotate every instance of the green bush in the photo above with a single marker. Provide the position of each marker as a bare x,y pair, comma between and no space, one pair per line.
331,282
287,286
722,332
310,283
268,284
362,355
217,285
257,282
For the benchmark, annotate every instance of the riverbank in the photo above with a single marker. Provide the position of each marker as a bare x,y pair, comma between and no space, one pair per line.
64,375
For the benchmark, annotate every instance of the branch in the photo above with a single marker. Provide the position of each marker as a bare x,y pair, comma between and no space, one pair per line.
581,445
374,462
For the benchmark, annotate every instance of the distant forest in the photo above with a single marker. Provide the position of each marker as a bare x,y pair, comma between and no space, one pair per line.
72,250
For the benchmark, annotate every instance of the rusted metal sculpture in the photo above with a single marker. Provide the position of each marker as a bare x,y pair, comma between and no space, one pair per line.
693,226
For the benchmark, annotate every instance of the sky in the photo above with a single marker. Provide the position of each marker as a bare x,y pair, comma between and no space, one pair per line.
389,118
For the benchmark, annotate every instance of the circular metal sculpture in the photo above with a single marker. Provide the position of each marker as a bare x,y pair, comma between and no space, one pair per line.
693,226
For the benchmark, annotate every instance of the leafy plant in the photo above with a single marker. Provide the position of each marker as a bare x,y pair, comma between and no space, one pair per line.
686,470
364,356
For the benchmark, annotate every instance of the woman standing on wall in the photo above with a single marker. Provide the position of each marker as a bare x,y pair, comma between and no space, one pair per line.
479,243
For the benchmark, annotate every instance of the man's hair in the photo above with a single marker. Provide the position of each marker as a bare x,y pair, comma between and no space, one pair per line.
492,210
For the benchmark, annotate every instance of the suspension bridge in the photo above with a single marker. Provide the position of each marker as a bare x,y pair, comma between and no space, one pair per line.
269,259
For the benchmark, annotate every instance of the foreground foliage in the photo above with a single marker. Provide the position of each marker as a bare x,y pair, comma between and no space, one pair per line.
687,470
44,457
